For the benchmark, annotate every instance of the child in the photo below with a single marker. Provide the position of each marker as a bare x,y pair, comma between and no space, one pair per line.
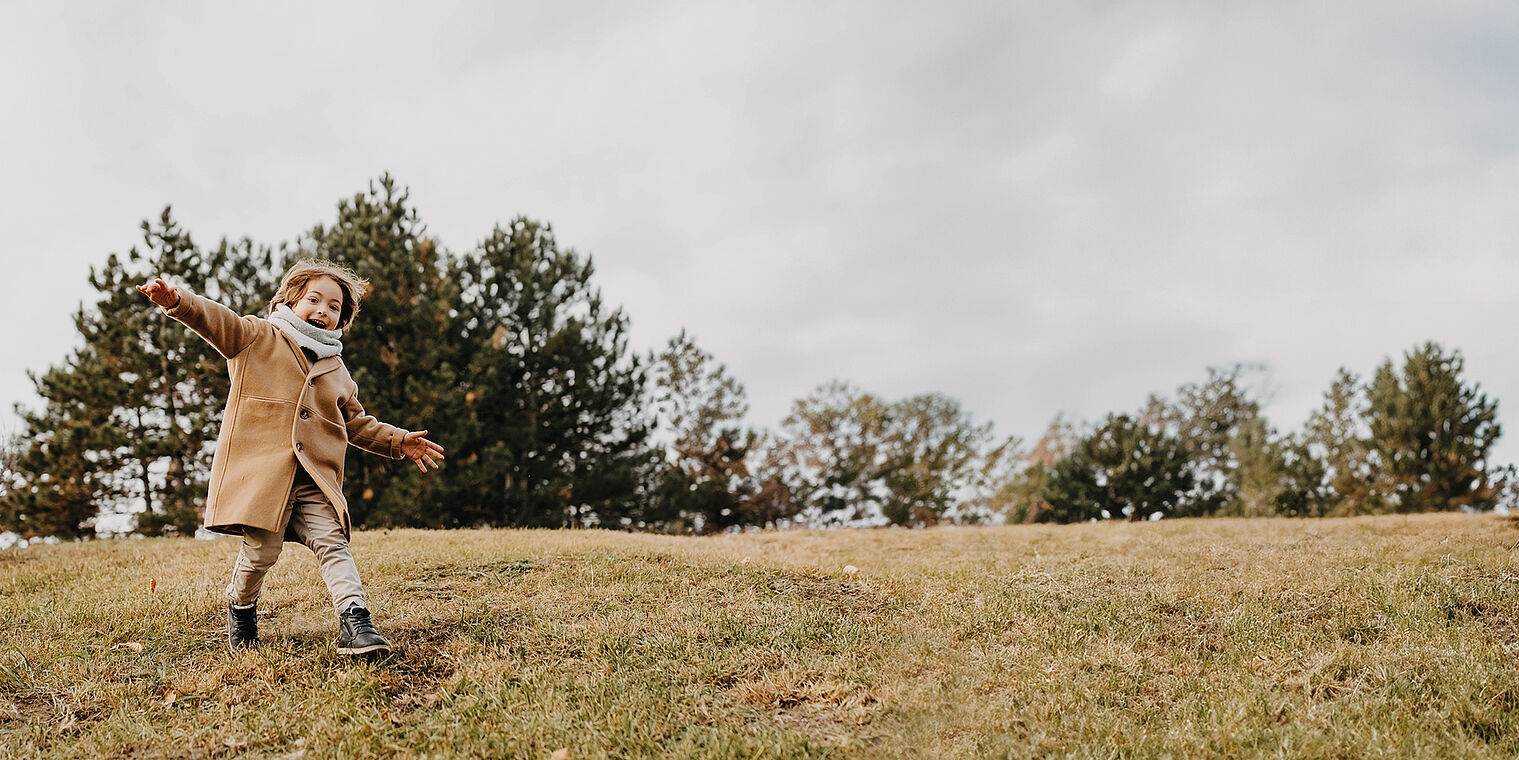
277,474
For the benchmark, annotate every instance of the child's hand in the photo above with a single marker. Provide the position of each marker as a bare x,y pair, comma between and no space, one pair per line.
161,293
418,449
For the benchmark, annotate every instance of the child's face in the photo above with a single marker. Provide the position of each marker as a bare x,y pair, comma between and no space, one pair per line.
321,304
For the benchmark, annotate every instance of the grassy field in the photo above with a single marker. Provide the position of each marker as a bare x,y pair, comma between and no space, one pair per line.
1370,637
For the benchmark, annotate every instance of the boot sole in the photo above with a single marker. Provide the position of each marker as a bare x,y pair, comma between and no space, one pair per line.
371,649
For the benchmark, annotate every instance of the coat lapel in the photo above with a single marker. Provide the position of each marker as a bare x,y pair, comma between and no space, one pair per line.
300,356
324,365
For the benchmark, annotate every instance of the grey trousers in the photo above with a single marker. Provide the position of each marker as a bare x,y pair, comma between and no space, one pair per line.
314,521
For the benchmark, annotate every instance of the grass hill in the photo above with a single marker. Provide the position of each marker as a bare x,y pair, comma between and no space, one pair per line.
1370,637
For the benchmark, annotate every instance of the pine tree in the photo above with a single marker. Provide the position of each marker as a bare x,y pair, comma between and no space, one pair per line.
68,465
551,432
1275,475
10,454
1432,432
1258,469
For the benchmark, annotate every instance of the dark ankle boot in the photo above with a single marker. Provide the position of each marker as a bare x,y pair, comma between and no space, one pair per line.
242,627
356,635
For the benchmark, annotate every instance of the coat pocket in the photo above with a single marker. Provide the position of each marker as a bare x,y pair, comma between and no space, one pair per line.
261,438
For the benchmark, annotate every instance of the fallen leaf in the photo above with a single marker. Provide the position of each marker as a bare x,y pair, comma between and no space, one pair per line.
132,645
563,753
234,742
851,569
391,718
169,699
746,561
152,585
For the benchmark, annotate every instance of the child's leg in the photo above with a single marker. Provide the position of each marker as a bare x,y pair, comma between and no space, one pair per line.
260,550
315,522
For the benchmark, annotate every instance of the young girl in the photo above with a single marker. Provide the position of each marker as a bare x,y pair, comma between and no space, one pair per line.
277,474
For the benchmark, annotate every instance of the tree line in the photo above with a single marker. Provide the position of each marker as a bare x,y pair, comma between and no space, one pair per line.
509,355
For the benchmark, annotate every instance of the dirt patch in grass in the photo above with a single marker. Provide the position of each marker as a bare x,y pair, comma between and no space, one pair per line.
50,708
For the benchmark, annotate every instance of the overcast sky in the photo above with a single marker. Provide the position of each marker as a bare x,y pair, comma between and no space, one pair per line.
1032,207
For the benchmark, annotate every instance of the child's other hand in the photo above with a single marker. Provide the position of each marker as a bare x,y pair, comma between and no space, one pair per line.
418,449
161,293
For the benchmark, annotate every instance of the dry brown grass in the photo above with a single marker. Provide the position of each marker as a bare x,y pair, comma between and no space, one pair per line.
1370,637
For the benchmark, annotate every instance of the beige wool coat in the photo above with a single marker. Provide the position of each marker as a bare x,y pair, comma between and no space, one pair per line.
282,410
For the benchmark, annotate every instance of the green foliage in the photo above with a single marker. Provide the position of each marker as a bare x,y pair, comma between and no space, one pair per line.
992,483
705,484
1232,461
933,458
1432,432
1021,497
848,456
549,430
1125,467
1301,489
1337,434
1228,442
59,482
831,451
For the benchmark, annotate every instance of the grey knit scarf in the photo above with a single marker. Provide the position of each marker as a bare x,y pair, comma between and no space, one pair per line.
323,343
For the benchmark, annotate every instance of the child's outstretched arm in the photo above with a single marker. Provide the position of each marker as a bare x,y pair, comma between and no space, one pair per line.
376,437
224,330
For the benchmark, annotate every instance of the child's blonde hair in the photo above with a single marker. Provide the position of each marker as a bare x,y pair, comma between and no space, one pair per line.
293,286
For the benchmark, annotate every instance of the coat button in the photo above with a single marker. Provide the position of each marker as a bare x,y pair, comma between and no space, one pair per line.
305,414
